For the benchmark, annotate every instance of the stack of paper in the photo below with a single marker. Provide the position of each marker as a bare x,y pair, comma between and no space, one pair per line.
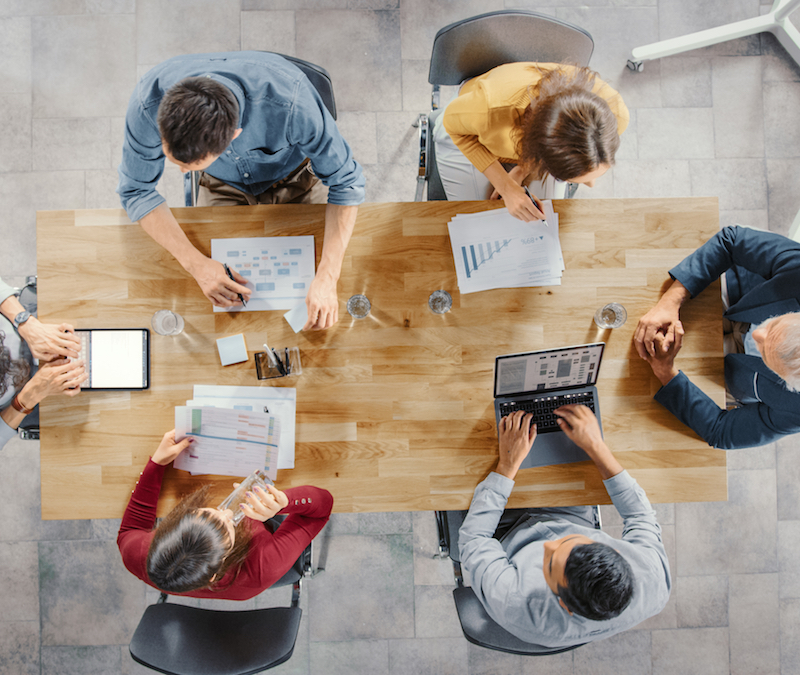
230,416
492,249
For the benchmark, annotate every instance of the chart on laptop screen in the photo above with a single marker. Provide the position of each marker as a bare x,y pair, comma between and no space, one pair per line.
537,371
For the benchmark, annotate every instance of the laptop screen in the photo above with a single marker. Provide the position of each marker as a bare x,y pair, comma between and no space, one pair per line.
547,370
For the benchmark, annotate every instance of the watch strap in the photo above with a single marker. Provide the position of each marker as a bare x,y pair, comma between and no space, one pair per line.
17,405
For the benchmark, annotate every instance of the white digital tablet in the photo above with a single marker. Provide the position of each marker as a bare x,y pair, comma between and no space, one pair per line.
115,358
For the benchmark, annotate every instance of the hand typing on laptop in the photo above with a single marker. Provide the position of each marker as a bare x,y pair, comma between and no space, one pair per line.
581,426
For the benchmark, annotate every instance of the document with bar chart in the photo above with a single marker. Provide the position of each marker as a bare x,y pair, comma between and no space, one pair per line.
492,249
278,270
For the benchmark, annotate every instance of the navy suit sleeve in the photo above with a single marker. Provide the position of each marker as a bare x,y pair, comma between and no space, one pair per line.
763,253
745,427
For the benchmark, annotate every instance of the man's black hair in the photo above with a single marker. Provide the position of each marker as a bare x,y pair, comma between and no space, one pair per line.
599,582
197,117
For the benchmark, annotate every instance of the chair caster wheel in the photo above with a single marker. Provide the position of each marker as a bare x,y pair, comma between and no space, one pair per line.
635,66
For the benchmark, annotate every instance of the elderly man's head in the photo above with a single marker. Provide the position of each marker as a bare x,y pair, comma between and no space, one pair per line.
778,340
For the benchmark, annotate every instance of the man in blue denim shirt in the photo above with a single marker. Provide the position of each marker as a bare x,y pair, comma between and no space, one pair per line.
249,120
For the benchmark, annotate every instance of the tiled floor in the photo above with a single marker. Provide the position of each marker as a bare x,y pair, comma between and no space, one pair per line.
721,121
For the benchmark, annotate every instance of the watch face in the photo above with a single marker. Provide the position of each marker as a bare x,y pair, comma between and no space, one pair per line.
21,318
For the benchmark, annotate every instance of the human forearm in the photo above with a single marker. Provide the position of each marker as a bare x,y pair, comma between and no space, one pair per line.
339,224
607,465
10,307
161,225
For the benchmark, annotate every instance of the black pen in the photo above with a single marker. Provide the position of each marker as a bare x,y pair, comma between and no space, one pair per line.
286,359
281,369
530,196
230,276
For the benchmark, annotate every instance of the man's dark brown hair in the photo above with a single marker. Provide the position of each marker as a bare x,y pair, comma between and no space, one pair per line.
197,117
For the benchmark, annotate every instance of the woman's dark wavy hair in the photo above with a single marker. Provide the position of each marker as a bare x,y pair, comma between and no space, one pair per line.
567,131
599,582
15,371
197,117
190,547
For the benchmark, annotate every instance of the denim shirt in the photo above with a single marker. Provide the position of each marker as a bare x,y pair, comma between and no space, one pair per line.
283,122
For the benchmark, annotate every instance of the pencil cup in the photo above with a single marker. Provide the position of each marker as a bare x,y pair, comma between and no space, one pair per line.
258,478
612,315
268,369
166,322
358,306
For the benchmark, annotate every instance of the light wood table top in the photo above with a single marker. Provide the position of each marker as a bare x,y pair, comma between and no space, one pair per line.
395,411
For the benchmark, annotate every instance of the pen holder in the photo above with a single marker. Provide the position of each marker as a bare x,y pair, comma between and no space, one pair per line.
289,358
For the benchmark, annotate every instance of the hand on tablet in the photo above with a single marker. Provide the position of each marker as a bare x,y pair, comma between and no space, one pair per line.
48,341
61,376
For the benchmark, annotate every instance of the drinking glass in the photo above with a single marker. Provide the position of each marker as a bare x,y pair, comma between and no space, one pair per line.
166,322
612,315
440,302
358,306
260,478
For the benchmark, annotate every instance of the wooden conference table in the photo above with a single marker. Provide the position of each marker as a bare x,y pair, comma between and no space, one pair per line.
394,411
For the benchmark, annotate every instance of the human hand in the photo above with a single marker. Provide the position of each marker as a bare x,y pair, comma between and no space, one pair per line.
48,341
580,425
520,206
262,505
322,303
664,320
665,349
517,435
168,450
217,286
60,376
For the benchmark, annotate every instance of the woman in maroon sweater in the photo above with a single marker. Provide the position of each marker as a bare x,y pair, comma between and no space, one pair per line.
197,551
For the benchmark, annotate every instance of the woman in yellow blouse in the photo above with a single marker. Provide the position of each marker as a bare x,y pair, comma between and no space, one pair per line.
552,123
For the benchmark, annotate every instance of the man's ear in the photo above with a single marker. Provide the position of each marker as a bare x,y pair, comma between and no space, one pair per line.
236,133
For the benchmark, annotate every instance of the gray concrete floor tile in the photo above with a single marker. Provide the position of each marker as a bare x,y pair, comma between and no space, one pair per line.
101,189
354,656
294,4
416,88
37,7
686,81
374,36
702,601
87,597
385,523
429,571
165,29
622,653
482,661
788,555
778,65
110,6
651,178
71,143
15,55
738,101
83,66
700,651
680,17
19,600
390,183
269,31
710,537
446,656
358,129
15,142
556,664
758,218
751,458
629,141
744,185
782,135
435,614
754,623
19,648
398,140
790,636
676,133
106,529
367,589
783,177
81,660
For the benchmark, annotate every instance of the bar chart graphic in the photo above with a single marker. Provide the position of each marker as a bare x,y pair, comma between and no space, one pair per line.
476,255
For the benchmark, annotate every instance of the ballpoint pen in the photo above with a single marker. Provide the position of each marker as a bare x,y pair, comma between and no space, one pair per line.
530,196
280,366
230,276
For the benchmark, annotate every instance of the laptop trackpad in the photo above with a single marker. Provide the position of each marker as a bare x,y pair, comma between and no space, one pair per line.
553,448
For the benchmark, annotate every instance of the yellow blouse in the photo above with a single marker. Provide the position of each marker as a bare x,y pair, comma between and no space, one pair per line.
481,117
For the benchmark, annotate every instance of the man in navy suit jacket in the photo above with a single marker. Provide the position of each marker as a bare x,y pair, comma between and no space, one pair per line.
762,272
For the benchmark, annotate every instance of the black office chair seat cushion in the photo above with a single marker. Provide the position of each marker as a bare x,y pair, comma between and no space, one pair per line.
480,629
181,640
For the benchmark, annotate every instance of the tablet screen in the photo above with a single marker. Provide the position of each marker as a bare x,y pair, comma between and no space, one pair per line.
115,358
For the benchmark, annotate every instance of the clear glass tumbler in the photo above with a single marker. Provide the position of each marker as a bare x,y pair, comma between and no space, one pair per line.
612,315
167,322
359,306
260,478
440,302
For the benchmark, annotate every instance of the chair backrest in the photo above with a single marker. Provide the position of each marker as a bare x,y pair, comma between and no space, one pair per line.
474,46
183,640
319,77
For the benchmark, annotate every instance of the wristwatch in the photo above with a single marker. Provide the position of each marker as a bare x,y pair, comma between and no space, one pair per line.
21,318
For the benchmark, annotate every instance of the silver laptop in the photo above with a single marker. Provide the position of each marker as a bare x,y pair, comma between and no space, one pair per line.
538,382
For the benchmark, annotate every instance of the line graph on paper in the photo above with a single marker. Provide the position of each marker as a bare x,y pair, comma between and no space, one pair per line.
477,254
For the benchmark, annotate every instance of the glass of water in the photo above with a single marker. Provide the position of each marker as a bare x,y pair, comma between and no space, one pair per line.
258,478
440,302
612,315
358,306
167,322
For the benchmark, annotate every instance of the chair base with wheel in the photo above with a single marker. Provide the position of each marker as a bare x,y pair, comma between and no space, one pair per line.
182,640
478,627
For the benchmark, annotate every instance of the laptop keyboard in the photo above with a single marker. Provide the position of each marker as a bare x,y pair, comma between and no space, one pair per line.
542,408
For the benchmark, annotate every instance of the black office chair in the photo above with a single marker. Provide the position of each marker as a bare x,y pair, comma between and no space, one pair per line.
478,627
182,640
474,46
318,76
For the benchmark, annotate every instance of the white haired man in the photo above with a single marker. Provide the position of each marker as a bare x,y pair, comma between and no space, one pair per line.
762,275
